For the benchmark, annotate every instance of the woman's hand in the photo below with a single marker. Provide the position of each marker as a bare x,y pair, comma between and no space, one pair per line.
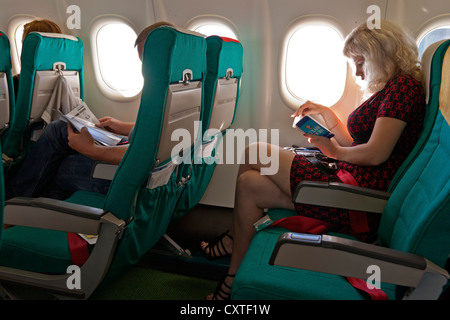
310,108
115,126
332,121
329,147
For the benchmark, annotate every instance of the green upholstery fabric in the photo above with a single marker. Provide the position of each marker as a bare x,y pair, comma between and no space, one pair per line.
416,217
431,112
50,253
148,211
35,250
166,49
257,280
415,220
222,54
39,53
6,67
16,249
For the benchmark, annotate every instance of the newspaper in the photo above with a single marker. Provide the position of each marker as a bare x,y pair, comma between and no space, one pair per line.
82,116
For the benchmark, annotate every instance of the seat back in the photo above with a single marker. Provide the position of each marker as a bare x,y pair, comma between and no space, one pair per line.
7,99
223,79
432,66
225,68
44,56
416,218
144,190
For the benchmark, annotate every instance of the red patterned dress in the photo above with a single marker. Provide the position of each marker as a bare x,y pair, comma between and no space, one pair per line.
401,98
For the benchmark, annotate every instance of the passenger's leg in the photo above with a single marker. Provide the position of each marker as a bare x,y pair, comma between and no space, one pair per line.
75,174
254,193
41,163
281,179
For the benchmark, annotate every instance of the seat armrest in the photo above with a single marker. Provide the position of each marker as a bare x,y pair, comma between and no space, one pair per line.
350,258
52,214
341,195
104,170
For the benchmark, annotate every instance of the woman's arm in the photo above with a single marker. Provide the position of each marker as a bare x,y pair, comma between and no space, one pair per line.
378,149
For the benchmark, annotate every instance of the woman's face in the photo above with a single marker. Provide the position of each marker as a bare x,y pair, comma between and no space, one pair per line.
359,64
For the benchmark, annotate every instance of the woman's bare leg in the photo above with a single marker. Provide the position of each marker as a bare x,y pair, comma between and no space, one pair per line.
254,193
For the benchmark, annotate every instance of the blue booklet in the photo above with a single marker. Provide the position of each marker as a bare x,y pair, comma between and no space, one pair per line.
311,126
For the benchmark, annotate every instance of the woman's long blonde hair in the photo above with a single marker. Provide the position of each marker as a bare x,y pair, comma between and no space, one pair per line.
388,51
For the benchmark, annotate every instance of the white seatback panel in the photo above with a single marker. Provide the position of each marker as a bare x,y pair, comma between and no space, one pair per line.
44,86
183,107
224,104
4,101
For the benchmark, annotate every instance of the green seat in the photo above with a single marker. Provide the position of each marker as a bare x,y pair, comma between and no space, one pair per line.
7,100
135,213
221,96
42,53
414,238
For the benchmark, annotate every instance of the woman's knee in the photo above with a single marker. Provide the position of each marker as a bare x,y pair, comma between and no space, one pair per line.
262,191
249,181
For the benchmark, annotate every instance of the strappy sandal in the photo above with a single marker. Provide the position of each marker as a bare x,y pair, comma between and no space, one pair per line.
220,293
216,248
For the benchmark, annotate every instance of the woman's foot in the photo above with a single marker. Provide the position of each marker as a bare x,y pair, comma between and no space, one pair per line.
223,289
219,247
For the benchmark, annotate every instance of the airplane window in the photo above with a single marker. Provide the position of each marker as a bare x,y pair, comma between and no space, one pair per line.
432,37
215,29
15,30
315,68
118,60
18,33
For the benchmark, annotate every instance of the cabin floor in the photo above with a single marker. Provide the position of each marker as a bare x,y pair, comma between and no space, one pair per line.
166,274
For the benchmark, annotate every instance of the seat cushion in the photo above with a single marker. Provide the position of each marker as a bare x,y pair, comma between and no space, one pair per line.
258,280
36,250
39,250
86,198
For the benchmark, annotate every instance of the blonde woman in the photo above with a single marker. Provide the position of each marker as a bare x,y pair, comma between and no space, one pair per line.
369,148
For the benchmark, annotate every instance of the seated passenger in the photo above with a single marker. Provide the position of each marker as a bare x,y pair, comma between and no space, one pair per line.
38,25
377,138
62,160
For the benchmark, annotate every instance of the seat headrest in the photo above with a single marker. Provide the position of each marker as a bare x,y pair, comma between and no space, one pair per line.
444,95
229,53
427,59
173,57
5,58
41,50
57,35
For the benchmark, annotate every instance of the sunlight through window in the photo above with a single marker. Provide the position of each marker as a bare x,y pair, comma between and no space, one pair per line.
432,37
315,68
118,59
214,29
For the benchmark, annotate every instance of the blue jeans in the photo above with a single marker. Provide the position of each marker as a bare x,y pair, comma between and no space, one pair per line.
53,169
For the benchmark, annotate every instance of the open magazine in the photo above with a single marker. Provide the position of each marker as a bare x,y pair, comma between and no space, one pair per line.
82,116
311,125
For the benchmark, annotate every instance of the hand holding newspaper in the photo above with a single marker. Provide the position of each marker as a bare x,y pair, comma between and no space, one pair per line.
82,116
